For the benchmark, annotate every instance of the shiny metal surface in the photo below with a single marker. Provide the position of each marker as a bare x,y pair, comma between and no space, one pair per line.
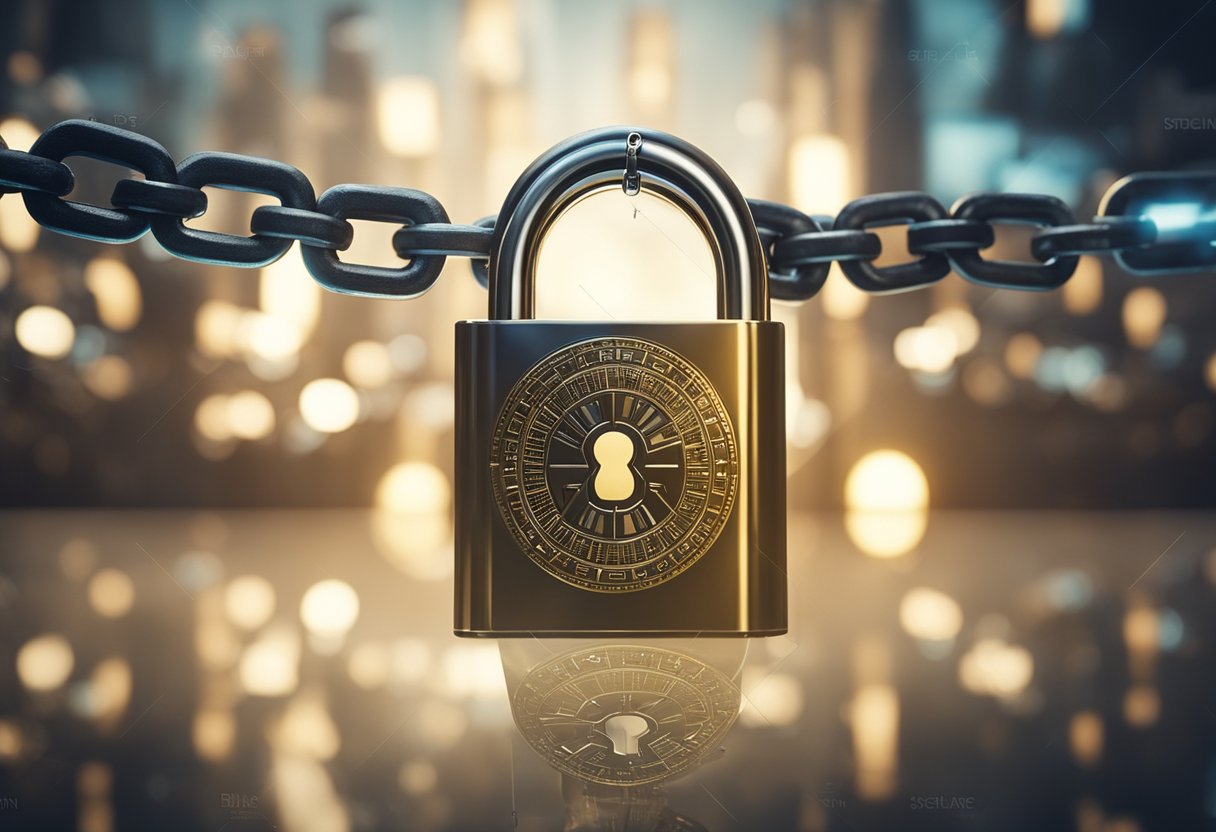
850,722
734,586
669,167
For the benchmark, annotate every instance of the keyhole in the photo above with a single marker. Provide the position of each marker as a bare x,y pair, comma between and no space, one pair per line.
614,481
625,730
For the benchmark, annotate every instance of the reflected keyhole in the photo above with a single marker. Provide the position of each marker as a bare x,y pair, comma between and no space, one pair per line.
614,480
625,730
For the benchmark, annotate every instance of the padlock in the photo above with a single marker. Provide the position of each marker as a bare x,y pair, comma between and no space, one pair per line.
621,477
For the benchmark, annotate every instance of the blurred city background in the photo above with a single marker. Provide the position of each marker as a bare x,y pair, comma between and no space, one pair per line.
206,667
135,380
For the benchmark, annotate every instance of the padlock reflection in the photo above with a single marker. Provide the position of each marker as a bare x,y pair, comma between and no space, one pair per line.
618,719
591,807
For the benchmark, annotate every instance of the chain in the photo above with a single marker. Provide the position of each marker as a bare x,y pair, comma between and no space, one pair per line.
800,248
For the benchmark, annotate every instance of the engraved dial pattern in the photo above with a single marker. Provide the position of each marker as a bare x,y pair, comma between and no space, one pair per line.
614,464
625,715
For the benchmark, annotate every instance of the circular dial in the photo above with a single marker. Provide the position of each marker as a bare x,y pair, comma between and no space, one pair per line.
614,464
624,715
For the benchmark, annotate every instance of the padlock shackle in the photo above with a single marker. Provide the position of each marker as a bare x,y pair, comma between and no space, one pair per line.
669,167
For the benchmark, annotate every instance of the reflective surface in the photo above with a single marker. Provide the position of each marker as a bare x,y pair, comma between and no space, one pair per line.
239,670
715,563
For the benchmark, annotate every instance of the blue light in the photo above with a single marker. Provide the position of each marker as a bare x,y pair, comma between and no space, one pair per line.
1170,629
1174,217
1051,370
1177,217
1170,349
1081,368
1068,589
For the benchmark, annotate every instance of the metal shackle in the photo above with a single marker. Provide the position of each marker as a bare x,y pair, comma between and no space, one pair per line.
647,160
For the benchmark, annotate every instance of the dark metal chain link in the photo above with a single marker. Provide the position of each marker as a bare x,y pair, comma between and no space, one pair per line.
800,248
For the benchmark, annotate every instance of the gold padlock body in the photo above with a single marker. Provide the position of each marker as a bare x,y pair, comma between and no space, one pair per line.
620,479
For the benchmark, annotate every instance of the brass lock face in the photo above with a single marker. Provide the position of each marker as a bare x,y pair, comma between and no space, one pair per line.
614,464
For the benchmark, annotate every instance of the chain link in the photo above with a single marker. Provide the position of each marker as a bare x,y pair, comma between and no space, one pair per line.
310,228
402,206
108,144
242,173
1152,223
481,265
788,279
20,171
1185,204
893,209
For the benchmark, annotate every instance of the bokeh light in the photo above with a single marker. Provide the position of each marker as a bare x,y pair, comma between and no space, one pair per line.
249,601
473,670
116,292
1082,294
412,523
886,534
287,292
995,668
110,377
306,729
214,734
819,174
770,699
411,487
1022,354
930,349
269,338
961,323
211,418
886,480
842,301
1144,313
11,741
886,498
45,331
329,608
652,55
329,405
111,593
270,666
369,665
930,615
1085,738
104,697
45,662
407,111
874,718
489,45
1141,706
217,326
368,364
250,415
18,230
